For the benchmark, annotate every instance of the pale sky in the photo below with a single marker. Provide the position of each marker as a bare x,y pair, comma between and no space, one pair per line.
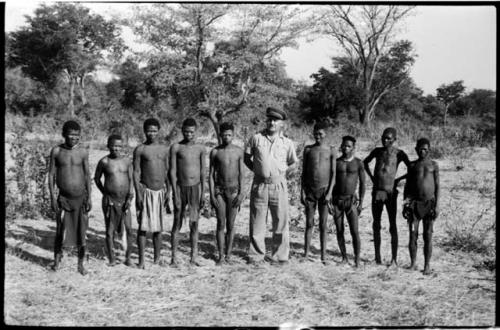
452,43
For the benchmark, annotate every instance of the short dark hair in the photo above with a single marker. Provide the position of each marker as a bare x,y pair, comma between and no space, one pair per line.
114,137
390,130
423,141
151,122
226,127
320,125
349,138
189,122
70,125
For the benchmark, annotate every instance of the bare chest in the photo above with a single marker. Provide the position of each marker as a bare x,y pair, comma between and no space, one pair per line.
69,158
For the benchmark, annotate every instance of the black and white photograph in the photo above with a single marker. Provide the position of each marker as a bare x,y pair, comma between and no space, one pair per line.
250,164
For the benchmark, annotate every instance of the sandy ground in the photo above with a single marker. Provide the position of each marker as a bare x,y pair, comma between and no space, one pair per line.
459,292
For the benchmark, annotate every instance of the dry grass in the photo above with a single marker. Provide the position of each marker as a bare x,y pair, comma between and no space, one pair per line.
458,293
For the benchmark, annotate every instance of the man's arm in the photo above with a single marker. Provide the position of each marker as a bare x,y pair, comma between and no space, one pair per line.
88,181
98,175
333,168
173,176
303,175
366,164
241,175
137,178
291,159
248,155
203,174
130,195
211,179
52,174
361,191
436,187
167,180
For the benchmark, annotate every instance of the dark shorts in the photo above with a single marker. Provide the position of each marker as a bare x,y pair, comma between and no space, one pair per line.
115,215
227,193
315,195
73,222
421,209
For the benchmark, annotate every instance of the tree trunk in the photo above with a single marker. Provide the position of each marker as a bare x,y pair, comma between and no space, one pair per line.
82,90
71,104
445,115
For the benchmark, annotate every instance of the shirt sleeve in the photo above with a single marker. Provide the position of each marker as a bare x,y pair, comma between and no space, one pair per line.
291,154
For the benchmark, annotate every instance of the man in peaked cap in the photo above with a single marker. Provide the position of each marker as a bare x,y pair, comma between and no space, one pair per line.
269,154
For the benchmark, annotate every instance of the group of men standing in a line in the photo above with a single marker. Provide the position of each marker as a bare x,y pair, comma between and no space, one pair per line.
328,184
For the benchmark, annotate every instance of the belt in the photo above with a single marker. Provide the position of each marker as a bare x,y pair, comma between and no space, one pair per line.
269,179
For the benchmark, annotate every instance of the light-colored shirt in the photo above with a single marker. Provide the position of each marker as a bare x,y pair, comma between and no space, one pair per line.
271,158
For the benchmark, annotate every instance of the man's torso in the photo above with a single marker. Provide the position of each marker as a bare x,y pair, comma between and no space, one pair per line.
346,177
70,176
318,166
153,159
116,177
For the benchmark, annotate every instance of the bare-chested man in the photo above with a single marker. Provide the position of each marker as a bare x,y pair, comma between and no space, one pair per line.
387,159
318,177
69,170
226,188
187,174
117,194
421,195
349,170
151,187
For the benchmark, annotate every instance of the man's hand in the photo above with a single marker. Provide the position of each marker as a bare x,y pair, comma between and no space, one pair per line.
302,197
215,202
177,201
88,205
406,209
138,202
359,208
54,204
328,198
237,200
436,212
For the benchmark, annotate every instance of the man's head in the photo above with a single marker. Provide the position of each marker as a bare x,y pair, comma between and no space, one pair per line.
319,131
226,133
389,136
423,147
347,146
189,126
275,118
115,145
151,128
71,132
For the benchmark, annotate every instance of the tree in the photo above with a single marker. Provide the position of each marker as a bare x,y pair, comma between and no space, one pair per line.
448,94
63,38
215,84
375,63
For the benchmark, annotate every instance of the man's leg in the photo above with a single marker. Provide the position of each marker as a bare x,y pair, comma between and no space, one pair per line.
428,229
157,247
221,224
110,231
310,207
174,236
194,215
128,252
377,208
141,244
58,241
81,257
323,217
413,224
231,213
391,205
352,218
338,216
259,203
278,207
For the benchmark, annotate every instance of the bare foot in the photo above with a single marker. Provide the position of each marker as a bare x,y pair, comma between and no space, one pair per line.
140,266
112,263
427,271
393,265
229,260
82,270
412,267
324,262
128,263
195,262
220,261
174,263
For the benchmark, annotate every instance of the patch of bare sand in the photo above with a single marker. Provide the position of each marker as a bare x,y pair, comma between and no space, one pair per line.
307,293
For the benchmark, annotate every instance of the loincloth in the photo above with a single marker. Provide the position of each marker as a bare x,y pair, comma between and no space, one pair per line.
74,221
315,195
191,196
115,215
420,209
153,216
344,202
382,196
227,193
